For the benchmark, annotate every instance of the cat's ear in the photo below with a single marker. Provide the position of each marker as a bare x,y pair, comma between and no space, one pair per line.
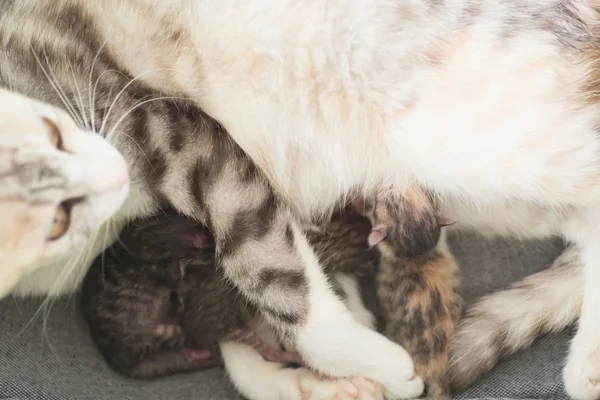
376,236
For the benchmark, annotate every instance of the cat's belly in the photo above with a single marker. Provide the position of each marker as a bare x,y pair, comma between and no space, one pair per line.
520,220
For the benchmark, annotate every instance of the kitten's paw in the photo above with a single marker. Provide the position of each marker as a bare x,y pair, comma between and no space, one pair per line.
368,390
313,388
582,373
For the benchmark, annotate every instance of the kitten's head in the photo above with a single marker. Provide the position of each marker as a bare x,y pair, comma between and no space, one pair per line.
58,184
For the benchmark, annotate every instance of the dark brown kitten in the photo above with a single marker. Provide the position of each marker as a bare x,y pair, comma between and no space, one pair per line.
156,302
421,306
130,301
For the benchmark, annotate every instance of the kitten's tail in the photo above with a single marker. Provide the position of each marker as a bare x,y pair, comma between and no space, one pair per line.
504,322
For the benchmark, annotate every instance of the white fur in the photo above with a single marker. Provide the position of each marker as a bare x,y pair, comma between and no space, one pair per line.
350,286
89,168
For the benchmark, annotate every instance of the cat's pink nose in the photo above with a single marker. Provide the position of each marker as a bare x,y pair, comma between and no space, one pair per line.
102,174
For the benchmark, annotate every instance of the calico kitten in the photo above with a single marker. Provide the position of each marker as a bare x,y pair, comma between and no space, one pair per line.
421,306
409,221
417,285
156,302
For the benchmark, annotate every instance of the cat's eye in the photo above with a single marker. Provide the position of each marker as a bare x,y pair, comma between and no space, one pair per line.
55,135
61,221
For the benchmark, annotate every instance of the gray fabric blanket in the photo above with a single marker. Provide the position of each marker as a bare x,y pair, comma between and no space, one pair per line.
50,355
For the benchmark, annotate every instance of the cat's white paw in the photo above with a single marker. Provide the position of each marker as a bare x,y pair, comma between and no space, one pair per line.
363,352
582,373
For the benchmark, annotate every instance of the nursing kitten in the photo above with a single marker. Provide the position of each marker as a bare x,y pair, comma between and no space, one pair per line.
180,158
410,221
156,303
417,285
132,309
57,183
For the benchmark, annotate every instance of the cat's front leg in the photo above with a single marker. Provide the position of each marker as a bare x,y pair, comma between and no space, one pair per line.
263,252
290,289
582,371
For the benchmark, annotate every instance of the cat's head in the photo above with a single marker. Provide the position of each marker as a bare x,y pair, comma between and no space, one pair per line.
58,184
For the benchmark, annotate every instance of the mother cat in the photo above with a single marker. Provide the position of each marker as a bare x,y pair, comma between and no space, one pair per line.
490,103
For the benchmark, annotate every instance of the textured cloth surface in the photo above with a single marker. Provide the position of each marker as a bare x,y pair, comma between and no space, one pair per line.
49,355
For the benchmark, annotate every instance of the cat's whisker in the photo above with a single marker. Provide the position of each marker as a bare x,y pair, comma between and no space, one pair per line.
72,266
113,131
78,118
92,95
139,148
94,91
122,91
109,226
80,103
54,85
131,109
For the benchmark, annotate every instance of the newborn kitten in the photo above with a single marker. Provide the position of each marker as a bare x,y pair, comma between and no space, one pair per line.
417,288
341,244
131,304
409,220
420,301
159,284
167,264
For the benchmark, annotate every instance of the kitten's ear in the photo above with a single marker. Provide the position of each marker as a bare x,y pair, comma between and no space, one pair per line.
444,221
376,236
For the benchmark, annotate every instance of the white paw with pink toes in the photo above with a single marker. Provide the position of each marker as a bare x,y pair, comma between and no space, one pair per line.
313,388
